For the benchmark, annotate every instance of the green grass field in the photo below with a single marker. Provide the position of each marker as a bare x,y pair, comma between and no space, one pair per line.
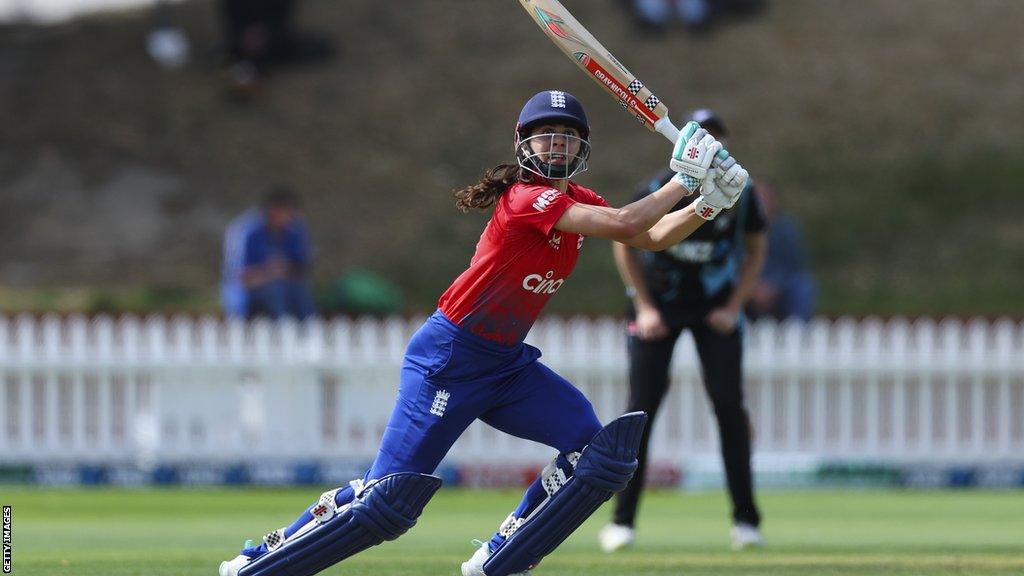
188,532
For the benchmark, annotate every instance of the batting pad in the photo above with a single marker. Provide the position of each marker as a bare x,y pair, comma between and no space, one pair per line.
605,467
387,509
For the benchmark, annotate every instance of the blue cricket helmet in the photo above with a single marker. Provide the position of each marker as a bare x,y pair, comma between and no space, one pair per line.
553,107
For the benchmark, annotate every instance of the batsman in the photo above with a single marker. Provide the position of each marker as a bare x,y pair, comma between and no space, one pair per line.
469,360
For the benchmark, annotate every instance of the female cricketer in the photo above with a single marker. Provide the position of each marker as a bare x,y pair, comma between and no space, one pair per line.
468,361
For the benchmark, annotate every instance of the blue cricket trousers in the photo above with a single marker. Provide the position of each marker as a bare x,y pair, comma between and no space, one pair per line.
451,377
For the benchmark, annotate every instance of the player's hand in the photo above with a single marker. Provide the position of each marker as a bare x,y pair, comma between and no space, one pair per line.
721,189
694,151
723,320
731,177
649,324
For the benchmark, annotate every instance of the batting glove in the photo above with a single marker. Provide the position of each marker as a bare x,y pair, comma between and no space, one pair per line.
692,155
721,190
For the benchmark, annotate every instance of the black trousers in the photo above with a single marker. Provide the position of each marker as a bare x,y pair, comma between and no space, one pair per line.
721,358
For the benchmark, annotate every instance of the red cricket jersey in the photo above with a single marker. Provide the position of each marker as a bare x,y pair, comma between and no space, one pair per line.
520,261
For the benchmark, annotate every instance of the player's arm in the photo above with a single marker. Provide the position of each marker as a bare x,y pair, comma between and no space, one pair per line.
628,265
724,318
719,191
670,230
649,323
624,223
691,159
756,247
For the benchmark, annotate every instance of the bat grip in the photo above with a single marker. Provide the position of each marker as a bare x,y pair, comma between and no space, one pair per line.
666,128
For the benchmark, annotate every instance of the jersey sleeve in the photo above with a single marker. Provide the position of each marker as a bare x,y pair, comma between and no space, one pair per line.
588,196
537,207
755,218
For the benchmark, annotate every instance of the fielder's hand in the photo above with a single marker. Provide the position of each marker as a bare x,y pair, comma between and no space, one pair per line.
649,324
723,320
692,155
722,187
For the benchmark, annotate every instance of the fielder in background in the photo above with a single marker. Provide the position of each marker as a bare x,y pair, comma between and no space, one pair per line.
699,284
468,361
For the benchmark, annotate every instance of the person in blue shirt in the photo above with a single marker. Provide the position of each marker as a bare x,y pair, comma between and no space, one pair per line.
267,260
787,289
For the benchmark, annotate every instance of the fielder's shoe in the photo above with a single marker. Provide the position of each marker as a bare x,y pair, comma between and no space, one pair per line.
616,537
475,565
746,536
231,567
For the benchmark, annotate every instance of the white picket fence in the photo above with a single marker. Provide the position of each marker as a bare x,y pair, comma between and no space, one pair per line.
181,389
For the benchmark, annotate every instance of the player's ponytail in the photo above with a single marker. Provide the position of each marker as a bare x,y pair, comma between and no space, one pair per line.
485,193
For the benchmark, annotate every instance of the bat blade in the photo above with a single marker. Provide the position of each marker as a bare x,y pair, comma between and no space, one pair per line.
601,65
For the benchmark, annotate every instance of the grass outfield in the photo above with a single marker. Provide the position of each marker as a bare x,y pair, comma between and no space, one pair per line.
187,532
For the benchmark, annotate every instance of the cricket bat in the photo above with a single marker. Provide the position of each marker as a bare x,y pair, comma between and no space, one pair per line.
604,68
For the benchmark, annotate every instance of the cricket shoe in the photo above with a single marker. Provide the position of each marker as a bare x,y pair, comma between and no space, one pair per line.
231,567
616,537
746,536
475,565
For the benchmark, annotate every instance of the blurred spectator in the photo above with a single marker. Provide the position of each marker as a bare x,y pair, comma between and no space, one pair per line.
259,34
232,286
786,288
697,15
267,260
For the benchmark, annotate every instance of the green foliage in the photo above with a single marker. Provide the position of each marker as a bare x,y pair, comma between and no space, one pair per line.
358,292
143,300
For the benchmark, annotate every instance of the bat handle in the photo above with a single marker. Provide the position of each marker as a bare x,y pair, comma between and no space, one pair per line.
666,128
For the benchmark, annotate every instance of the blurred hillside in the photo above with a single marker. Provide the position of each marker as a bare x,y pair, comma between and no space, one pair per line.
892,128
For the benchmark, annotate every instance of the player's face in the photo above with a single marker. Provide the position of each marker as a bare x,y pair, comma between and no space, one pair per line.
279,217
562,144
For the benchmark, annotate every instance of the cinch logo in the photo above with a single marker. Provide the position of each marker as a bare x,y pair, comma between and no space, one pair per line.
542,284
545,199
